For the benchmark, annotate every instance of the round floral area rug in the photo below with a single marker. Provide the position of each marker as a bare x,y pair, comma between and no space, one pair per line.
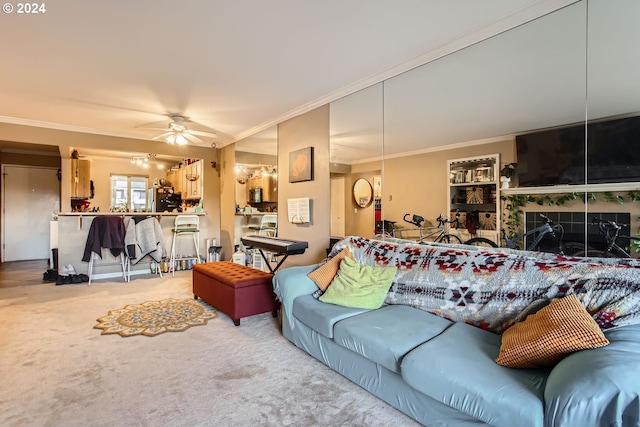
156,317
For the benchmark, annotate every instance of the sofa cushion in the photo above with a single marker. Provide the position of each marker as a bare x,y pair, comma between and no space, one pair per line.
360,286
387,334
324,274
457,368
544,338
599,384
320,316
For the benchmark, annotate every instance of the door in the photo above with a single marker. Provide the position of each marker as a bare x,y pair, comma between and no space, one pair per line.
30,197
337,207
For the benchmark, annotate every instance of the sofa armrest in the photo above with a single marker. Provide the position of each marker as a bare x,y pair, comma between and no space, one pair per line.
598,387
290,283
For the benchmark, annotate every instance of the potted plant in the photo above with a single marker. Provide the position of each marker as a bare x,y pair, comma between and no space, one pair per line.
506,173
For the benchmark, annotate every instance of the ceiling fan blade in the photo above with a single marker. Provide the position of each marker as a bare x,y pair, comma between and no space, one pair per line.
158,125
192,138
201,133
163,136
165,129
195,126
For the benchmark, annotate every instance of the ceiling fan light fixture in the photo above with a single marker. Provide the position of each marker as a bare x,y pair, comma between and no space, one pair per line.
180,139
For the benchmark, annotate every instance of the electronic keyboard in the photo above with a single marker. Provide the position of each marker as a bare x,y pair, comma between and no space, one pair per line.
273,244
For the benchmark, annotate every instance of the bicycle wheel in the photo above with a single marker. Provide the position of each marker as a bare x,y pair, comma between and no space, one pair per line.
594,253
382,236
573,248
481,241
450,238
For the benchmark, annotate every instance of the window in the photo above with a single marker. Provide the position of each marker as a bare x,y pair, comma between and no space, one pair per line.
129,193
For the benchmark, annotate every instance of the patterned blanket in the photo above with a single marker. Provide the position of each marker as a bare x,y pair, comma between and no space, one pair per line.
493,288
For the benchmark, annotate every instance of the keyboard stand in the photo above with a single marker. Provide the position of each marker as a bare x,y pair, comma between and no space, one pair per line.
266,261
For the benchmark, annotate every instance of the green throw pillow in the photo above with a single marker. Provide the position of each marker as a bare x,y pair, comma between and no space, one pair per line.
359,286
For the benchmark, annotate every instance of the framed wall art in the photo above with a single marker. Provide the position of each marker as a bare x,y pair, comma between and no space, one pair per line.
301,165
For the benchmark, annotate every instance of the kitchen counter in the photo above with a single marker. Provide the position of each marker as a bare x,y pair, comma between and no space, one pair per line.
130,213
73,228
255,213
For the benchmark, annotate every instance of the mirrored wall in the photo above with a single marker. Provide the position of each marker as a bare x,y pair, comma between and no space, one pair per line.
521,98
613,135
256,184
355,154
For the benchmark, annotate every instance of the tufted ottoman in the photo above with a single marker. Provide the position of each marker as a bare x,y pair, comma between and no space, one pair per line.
234,289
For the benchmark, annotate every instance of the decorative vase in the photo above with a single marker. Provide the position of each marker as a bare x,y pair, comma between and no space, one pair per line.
505,182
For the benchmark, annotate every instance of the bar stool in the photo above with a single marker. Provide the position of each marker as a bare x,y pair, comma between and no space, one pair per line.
269,226
185,224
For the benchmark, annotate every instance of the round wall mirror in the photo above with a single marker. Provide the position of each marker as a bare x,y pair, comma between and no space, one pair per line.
362,193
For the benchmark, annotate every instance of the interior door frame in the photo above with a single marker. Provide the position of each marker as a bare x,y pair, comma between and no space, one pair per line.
3,200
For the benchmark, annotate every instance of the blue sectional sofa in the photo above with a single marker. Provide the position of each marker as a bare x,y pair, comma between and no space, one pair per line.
430,350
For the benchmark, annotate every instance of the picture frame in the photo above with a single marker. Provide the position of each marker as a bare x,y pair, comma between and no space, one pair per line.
301,165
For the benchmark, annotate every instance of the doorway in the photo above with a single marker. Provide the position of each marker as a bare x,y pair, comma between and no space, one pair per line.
337,207
30,199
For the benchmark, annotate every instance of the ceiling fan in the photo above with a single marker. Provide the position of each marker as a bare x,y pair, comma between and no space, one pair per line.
179,133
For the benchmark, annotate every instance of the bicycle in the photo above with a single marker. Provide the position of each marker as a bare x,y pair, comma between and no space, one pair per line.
437,234
611,232
538,233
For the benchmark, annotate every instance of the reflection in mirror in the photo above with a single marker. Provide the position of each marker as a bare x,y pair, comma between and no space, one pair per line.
476,102
356,149
256,184
472,103
362,193
613,138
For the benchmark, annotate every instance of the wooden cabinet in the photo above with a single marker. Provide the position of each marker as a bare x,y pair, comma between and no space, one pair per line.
269,189
267,183
474,195
172,180
187,181
192,181
80,179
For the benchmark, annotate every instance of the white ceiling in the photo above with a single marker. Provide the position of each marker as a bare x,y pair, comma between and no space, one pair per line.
237,67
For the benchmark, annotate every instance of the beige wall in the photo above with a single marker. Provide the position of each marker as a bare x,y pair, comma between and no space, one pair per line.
307,130
360,221
227,202
418,184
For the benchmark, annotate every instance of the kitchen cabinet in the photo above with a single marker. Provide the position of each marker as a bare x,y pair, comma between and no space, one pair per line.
187,181
267,183
80,179
172,180
192,181
473,194
178,185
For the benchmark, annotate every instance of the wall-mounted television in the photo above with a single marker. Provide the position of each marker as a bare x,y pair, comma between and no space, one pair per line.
557,156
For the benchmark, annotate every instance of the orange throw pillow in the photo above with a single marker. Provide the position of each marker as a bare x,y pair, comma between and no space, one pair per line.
544,338
323,275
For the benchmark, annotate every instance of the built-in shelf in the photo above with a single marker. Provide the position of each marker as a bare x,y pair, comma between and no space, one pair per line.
474,189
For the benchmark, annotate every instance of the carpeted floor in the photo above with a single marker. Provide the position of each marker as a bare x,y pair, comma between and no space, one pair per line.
57,370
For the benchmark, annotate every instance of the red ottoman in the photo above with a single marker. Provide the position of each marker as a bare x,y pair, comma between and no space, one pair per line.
234,289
